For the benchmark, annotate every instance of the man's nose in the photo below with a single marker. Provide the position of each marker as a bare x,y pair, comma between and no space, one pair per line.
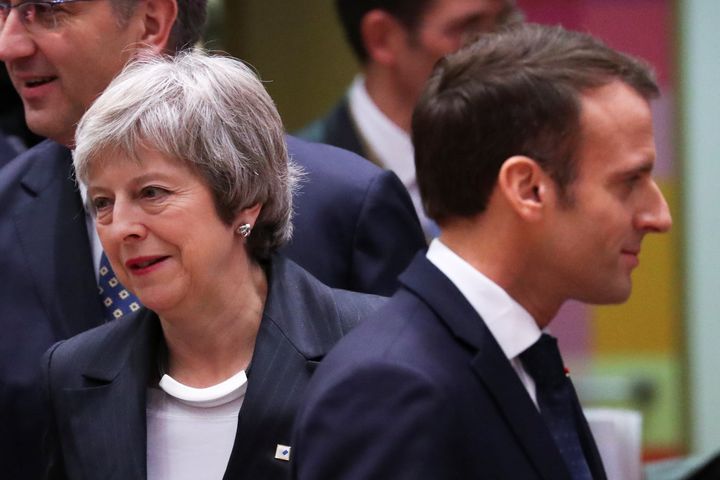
656,216
15,41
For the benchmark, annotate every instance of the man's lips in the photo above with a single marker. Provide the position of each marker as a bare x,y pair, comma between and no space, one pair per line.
32,87
31,80
38,81
632,254
142,265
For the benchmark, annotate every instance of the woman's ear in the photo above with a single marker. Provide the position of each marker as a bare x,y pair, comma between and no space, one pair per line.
524,185
247,216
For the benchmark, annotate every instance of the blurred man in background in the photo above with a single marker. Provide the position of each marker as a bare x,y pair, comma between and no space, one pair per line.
397,42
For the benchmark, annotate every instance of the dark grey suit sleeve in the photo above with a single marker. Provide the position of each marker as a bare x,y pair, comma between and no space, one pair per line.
53,468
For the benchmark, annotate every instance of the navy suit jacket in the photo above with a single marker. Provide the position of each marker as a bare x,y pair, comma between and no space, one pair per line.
7,151
355,229
423,390
355,226
97,382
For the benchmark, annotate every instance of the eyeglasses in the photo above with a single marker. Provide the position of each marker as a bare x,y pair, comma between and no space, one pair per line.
37,16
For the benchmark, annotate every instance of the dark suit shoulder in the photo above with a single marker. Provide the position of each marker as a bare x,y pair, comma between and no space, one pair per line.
7,150
321,158
394,334
102,349
328,313
33,170
355,225
387,369
335,128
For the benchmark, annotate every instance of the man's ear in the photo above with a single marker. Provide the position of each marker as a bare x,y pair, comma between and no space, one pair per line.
381,35
158,18
525,186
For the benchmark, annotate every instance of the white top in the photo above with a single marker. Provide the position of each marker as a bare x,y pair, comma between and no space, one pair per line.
191,431
388,144
512,326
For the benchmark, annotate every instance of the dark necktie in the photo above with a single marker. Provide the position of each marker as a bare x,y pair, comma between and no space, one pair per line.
556,399
116,299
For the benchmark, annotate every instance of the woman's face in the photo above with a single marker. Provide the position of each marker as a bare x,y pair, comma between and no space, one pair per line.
158,225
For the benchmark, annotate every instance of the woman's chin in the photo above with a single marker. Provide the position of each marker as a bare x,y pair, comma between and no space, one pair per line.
159,302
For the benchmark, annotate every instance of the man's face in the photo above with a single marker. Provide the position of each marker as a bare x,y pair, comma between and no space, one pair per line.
441,30
59,73
593,244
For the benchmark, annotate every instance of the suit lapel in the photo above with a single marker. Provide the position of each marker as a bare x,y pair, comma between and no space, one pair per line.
342,131
489,364
288,348
592,455
111,409
53,235
520,413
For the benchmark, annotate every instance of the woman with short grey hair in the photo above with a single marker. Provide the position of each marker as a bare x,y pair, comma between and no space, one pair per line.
214,115
190,186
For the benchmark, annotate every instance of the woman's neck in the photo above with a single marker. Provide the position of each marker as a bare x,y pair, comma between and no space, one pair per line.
217,339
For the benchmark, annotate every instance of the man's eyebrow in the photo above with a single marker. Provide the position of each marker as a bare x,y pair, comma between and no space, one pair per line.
645,168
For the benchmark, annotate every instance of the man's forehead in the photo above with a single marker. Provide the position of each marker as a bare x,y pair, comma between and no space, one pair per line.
612,101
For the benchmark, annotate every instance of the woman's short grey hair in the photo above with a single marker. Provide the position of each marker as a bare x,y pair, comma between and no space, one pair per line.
211,113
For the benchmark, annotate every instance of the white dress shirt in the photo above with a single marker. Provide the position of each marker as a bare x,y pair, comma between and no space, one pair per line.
388,145
512,326
96,248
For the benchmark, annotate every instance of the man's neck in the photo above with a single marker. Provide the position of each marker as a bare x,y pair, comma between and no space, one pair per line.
389,97
505,260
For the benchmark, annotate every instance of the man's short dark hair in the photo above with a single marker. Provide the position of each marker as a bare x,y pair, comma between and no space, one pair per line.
351,13
516,92
188,27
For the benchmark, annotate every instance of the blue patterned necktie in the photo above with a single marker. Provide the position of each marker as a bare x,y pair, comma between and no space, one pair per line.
116,299
557,401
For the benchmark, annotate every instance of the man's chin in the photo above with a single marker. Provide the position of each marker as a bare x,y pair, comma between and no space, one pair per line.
608,294
42,123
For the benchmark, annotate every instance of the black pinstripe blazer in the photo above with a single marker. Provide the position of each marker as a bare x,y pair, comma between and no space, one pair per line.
96,382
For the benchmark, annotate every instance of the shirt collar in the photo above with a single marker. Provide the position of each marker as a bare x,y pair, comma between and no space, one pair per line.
390,144
512,326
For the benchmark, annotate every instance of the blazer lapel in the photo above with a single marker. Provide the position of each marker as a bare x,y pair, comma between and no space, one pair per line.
342,131
288,348
520,413
52,233
592,455
490,365
111,409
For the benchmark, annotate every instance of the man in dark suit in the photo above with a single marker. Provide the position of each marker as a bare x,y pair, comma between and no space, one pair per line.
397,42
534,152
355,225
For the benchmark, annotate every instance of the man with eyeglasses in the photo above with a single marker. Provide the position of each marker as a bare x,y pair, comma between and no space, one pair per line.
355,225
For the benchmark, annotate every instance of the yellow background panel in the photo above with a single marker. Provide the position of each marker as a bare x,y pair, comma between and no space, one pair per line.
651,320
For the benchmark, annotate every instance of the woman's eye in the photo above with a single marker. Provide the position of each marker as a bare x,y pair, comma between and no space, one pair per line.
153,192
100,203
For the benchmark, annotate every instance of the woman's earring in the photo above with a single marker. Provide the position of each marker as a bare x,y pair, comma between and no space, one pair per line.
244,230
